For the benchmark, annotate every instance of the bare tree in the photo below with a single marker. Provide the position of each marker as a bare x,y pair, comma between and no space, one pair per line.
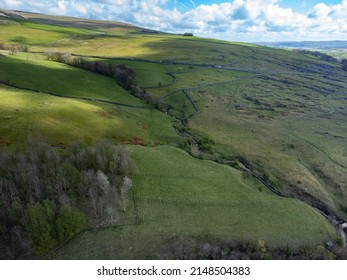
125,166
124,191
13,49
93,198
89,184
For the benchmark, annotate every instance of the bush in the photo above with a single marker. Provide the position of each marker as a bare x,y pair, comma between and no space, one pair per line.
13,48
69,222
41,218
58,56
47,226
124,76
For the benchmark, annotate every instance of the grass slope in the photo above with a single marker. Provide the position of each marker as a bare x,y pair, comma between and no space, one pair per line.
303,119
27,115
36,72
33,34
176,194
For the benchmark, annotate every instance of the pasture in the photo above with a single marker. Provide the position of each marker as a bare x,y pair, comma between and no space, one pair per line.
175,194
61,121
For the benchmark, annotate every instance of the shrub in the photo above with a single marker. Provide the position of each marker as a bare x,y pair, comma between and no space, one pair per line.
41,226
69,222
13,48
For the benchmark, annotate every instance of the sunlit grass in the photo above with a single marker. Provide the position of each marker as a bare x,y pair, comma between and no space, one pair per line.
19,34
27,115
27,70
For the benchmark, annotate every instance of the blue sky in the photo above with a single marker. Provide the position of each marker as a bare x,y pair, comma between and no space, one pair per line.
296,5
305,6
234,20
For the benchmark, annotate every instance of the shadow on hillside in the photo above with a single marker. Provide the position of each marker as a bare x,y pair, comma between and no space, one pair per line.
61,79
201,51
79,23
20,40
232,54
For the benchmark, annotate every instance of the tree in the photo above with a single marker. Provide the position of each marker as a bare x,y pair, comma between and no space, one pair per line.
14,49
104,191
69,222
88,184
124,76
99,190
43,191
65,58
124,191
344,64
41,218
50,54
125,166
15,213
79,62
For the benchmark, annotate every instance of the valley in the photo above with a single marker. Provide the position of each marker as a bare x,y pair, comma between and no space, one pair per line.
230,133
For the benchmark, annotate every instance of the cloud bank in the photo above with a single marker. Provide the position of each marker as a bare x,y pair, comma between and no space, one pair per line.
240,20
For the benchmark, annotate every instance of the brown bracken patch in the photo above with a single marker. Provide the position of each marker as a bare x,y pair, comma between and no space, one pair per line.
136,141
5,141
106,113
60,145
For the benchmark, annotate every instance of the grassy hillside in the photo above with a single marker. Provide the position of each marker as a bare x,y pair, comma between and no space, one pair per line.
176,195
27,70
279,113
306,130
29,33
61,121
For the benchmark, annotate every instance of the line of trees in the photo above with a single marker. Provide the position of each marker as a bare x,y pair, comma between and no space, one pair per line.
320,55
123,74
47,196
187,248
324,57
13,48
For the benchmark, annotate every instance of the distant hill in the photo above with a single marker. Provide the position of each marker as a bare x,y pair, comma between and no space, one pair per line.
327,45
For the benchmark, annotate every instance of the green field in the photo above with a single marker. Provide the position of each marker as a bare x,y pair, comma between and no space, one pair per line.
175,194
27,70
280,112
60,121
33,34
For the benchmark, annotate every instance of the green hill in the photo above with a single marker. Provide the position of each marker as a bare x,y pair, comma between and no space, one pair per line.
177,195
252,118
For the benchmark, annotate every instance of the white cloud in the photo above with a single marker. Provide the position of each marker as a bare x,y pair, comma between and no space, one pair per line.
10,3
320,11
249,20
